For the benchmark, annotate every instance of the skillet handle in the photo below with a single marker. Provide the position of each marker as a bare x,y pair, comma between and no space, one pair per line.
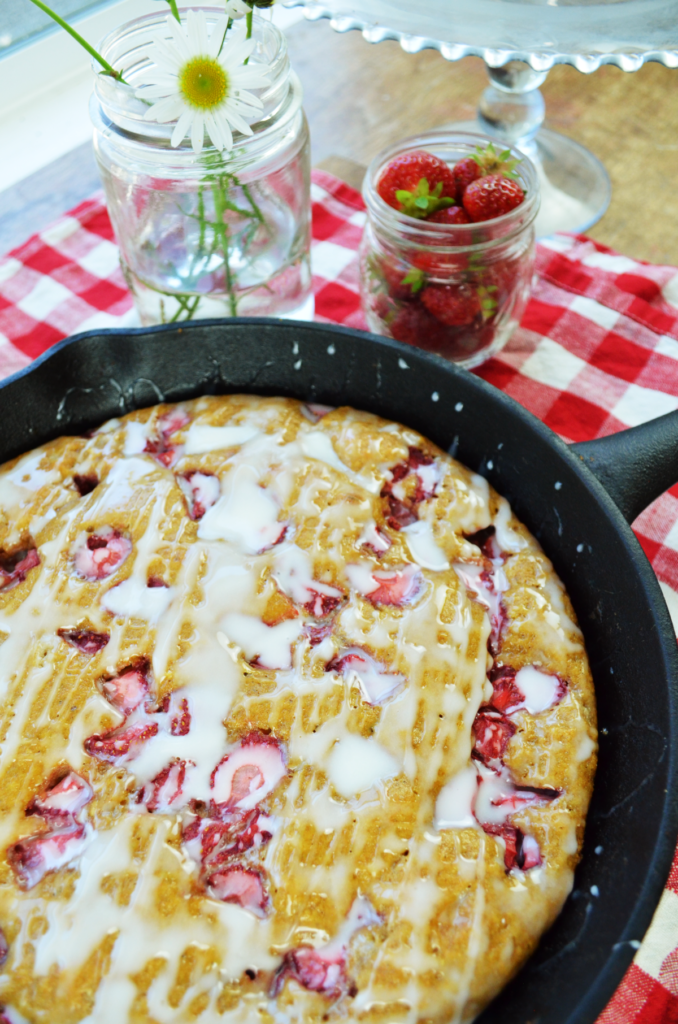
635,466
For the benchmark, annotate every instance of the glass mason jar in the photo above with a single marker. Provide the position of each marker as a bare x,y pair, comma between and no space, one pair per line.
210,234
479,274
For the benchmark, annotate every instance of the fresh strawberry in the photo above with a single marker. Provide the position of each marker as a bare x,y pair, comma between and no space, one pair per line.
414,325
454,305
440,264
393,271
465,171
402,281
492,196
450,215
407,172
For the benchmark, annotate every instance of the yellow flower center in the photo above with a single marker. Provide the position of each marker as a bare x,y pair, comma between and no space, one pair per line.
203,83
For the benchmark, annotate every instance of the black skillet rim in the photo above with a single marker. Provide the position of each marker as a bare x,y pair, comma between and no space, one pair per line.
614,967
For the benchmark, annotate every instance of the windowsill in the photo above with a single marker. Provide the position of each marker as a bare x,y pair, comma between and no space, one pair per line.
45,111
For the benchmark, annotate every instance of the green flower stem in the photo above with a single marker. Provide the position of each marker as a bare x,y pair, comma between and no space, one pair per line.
248,195
83,42
221,234
228,29
174,9
187,305
248,21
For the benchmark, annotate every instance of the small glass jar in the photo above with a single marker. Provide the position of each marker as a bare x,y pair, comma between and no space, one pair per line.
479,274
210,234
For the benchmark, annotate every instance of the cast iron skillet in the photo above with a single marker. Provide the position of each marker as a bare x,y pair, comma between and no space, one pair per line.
555,490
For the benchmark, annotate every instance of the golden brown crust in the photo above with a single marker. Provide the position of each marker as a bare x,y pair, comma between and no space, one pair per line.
447,924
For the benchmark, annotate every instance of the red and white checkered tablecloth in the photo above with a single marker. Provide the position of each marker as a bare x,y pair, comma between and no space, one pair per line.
596,351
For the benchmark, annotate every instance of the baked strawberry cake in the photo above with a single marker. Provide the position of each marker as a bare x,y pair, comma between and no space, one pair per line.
296,724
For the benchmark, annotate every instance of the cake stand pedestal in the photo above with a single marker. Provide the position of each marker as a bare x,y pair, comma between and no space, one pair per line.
520,40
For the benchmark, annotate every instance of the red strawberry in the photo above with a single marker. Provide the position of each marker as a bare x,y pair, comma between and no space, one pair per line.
410,325
14,566
316,970
453,305
440,264
117,746
85,483
492,732
126,691
402,281
506,692
414,325
492,196
450,215
244,886
465,171
406,171
165,789
85,640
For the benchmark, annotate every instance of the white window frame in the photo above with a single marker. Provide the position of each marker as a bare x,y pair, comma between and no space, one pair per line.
45,88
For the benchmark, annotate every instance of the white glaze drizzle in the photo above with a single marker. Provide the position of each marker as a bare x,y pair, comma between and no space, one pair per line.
241,538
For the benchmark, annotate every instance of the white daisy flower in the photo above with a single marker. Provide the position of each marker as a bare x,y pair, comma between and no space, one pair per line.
237,9
201,82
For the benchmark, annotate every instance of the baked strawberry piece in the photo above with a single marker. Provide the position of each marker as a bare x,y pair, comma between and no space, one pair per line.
244,886
164,792
128,690
249,773
63,801
100,553
88,641
15,565
120,745
201,491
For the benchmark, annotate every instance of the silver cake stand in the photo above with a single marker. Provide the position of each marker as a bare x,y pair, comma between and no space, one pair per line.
520,41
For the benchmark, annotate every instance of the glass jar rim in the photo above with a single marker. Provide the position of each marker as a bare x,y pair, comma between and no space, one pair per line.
411,231
125,110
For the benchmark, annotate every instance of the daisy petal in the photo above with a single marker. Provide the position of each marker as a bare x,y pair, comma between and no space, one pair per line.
182,129
226,133
248,99
198,132
217,37
167,109
178,34
214,131
237,121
